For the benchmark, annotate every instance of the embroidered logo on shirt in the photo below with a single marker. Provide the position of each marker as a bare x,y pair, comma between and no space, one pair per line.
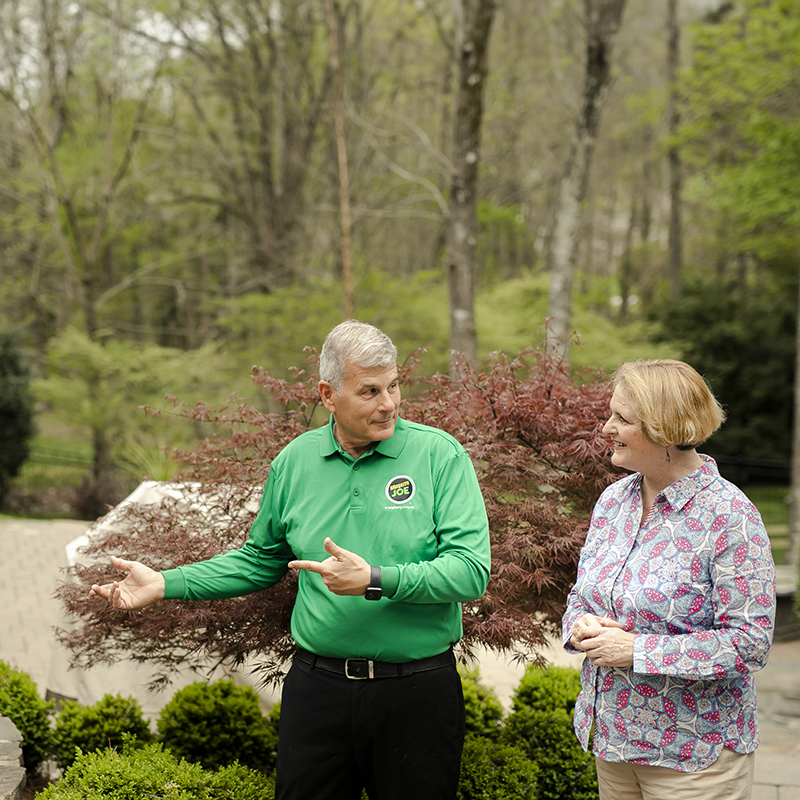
400,489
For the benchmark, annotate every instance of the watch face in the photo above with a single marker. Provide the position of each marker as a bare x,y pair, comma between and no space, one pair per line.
373,593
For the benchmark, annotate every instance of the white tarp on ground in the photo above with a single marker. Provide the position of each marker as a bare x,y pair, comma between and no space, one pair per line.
127,678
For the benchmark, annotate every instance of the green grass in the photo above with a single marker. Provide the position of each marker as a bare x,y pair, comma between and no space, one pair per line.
771,503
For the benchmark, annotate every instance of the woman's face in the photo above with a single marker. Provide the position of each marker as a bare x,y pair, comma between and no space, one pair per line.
632,449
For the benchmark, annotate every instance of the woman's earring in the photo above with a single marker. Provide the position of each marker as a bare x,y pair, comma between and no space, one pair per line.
668,459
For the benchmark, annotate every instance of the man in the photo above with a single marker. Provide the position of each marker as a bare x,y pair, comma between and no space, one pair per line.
385,521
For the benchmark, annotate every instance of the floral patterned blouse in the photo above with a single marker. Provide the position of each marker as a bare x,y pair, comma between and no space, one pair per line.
696,582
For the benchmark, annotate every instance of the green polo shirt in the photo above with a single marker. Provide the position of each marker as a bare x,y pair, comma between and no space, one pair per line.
412,505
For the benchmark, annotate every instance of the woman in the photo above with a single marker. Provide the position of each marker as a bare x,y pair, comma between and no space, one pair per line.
674,602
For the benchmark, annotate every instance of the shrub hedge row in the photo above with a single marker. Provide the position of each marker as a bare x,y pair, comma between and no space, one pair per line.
214,741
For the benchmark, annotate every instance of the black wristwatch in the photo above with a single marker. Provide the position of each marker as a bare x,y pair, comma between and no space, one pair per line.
374,591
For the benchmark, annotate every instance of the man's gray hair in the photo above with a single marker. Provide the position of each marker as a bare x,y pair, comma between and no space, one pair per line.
358,343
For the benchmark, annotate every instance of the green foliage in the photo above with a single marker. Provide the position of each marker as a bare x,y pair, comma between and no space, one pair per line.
742,339
511,317
217,724
20,702
505,243
483,709
541,725
102,385
152,460
549,689
262,328
16,409
741,131
152,771
90,728
491,770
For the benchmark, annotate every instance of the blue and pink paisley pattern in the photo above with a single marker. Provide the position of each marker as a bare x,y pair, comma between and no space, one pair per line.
696,582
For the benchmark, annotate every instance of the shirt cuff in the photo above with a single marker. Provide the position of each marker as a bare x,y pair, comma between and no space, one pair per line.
174,584
390,579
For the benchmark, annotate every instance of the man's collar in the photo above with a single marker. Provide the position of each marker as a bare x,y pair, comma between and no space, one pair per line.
391,448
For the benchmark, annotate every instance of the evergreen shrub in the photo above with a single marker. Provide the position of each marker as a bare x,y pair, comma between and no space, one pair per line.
483,710
21,703
548,688
217,724
540,724
492,770
153,771
96,727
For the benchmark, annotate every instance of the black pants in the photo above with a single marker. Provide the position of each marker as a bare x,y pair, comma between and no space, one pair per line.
400,738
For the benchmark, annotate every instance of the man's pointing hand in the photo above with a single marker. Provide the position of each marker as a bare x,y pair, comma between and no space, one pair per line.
343,573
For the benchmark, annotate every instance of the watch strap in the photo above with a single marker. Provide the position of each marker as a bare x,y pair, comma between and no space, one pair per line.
373,591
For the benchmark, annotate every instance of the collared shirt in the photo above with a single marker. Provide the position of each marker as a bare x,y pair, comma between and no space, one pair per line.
411,505
695,582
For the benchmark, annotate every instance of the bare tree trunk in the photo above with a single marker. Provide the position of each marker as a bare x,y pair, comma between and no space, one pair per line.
341,150
673,153
476,17
793,551
603,19
626,266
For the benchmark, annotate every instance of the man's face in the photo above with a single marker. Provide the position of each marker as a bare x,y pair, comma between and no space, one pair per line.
365,410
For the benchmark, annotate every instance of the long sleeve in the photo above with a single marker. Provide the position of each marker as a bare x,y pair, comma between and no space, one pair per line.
737,639
258,564
460,570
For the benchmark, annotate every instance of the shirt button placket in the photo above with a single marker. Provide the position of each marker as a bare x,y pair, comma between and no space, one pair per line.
355,490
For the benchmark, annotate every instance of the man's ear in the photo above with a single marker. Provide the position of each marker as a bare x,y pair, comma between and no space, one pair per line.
327,394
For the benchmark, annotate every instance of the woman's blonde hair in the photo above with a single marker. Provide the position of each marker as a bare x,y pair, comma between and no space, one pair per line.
673,402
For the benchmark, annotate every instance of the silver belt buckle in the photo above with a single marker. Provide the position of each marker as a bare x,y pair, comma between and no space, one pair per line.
370,669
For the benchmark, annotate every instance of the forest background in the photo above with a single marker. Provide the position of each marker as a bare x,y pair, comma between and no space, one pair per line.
192,187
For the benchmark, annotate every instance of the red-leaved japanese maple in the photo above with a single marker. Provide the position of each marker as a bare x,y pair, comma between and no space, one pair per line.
531,429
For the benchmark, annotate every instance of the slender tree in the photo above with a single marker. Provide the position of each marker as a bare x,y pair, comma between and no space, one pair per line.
473,27
603,19
341,152
673,151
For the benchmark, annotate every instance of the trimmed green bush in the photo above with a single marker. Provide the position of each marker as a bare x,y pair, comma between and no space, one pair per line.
491,770
217,724
484,712
96,727
548,688
152,771
540,724
21,703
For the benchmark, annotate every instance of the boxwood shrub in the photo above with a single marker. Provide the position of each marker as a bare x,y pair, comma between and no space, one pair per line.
96,727
152,771
491,770
483,709
540,724
21,703
219,723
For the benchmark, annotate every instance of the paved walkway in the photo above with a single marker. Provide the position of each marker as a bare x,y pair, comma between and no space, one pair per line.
34,555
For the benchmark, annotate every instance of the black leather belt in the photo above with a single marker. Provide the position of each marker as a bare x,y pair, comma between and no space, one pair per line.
362,669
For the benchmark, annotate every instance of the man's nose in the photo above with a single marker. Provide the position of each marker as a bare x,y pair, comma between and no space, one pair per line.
386,400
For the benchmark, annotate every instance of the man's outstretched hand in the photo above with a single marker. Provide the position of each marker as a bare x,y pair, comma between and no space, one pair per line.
343,573
141,587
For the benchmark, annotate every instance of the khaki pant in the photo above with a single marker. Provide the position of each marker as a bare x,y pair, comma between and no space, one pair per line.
730,777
